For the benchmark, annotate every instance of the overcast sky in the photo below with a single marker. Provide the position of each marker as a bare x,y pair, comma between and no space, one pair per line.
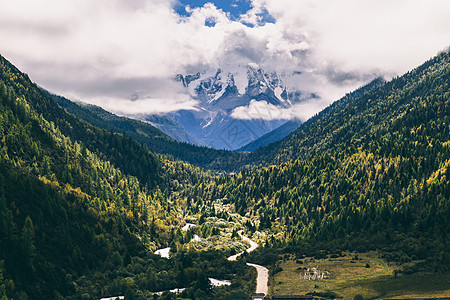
120,54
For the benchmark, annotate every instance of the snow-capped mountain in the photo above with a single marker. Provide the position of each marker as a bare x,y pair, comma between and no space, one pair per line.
222,93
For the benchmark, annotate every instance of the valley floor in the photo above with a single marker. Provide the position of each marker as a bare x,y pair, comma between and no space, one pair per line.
364,273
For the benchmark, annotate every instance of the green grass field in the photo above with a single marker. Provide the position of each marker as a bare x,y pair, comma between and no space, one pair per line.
368,276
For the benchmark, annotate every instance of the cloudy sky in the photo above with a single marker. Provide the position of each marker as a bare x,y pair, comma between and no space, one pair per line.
120,54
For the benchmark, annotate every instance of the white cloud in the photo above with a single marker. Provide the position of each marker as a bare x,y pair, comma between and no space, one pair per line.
387,35
261,110
137,107
108,51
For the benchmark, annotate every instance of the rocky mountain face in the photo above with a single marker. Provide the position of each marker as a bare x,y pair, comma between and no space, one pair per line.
214,122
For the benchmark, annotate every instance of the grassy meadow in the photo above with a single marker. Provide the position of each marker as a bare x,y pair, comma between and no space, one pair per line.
352,274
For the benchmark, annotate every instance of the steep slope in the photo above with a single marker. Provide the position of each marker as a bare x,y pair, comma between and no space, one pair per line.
373,175
119,150
99,117
271,153
220,131
173,129
155,139
54,192
273,136
280,133
82,209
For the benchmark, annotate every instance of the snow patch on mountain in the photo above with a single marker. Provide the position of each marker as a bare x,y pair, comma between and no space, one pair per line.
236,105
278,92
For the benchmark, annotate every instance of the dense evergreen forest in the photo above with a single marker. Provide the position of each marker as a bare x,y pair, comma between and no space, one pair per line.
270,154
82,208
373,175
153,138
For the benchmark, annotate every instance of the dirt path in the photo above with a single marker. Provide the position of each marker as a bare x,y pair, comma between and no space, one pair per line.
253,246
262,278
234,257
263,273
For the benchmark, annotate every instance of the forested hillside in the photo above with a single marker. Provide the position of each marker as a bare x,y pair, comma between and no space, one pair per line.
277,139
273,136
155,139
373,175
82,209
272,153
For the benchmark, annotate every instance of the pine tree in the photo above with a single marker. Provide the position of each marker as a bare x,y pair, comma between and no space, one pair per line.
27,243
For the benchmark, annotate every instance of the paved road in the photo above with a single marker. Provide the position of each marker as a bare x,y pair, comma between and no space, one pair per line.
263,273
